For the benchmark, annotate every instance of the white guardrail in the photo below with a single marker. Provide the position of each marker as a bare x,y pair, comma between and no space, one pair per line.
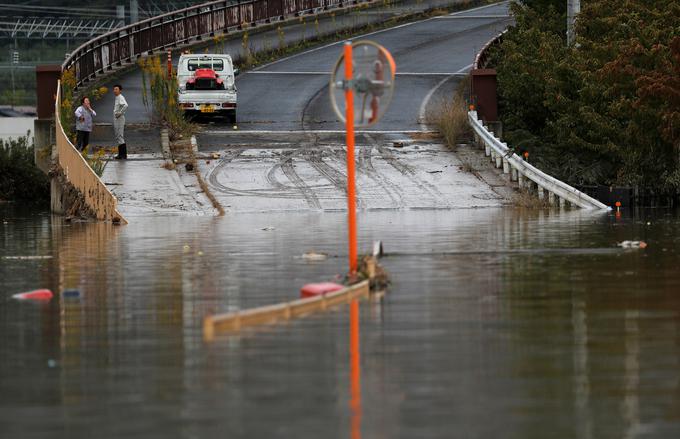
521,171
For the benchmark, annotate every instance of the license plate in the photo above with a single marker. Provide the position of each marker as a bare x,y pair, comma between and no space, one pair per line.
207,109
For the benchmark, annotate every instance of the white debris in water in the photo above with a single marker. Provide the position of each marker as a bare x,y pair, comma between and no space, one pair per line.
313,256
632,244
27,258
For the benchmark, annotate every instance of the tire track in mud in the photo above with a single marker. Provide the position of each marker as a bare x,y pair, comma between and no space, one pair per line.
366,165
337,178
292,175
410,173
280,190
314,153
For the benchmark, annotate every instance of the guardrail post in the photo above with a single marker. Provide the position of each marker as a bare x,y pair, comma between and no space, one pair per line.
541,192
551,198
498,161
506,166
514,174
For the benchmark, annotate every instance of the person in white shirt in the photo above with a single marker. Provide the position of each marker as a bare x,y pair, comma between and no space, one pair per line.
84,116
120,106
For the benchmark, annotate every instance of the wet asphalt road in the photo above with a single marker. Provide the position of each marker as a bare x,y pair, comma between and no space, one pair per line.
287,153
292,93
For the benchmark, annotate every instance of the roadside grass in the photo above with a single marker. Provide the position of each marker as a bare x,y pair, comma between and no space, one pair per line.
163,100
529,200
449,116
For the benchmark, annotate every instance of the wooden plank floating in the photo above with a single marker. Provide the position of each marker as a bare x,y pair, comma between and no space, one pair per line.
234,321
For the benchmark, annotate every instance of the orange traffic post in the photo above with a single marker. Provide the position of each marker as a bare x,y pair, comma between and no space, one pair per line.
169,64
351,195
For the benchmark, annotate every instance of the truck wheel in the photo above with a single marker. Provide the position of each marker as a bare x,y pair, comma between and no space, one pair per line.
232,117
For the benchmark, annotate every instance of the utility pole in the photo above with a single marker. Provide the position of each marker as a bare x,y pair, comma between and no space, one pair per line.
15,61
573,9
134,11
120,14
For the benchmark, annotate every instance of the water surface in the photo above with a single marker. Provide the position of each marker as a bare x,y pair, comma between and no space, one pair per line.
499,323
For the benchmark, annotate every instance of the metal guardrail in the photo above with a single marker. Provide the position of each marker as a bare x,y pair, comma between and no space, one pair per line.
521,171
79,173
482,58
172,30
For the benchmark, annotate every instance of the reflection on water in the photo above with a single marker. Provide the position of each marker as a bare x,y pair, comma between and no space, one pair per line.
499,324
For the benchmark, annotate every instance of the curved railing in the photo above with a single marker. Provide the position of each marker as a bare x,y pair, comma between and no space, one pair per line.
183,27
555,190
78,172
482,58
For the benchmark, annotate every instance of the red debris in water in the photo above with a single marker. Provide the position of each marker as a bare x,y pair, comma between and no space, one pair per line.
313,290
43,294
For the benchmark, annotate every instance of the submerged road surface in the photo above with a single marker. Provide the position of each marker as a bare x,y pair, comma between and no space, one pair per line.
288,151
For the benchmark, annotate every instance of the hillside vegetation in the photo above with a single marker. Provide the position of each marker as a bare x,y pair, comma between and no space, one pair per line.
605,111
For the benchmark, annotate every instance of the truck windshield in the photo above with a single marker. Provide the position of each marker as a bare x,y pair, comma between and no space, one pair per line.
214,64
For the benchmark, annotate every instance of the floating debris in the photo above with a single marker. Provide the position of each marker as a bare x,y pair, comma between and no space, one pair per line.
632,244
268,228
26,258
314,256
71,293
319,289
43,294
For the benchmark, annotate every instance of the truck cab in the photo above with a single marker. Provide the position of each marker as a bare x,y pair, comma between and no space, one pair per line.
206,84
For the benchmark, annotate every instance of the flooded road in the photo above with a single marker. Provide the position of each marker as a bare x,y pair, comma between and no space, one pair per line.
500,323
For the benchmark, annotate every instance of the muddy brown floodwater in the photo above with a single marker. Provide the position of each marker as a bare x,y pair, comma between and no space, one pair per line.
500,323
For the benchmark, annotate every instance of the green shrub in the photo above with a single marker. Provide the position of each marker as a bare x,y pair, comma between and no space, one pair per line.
604,111
20,179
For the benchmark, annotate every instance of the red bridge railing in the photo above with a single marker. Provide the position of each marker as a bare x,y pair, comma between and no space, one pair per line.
126,44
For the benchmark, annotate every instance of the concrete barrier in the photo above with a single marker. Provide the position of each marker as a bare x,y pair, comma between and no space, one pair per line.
557,191
97,197
234,321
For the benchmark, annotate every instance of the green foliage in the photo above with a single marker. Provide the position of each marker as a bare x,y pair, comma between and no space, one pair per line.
605,111
66,110
20,179
165,108
96,160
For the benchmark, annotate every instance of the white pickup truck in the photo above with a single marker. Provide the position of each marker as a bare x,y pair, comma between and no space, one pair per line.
206,84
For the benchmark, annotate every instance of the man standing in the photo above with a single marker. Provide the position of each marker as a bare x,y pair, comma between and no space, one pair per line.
84,115
120,105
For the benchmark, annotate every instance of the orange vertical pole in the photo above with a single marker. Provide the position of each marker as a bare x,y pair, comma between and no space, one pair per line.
355,371
169,64
351,194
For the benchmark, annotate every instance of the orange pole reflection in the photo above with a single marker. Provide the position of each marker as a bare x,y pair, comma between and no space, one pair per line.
355,371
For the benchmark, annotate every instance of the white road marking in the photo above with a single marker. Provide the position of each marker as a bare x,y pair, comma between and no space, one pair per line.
461,17
272,72
287,132
426,101
264,66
